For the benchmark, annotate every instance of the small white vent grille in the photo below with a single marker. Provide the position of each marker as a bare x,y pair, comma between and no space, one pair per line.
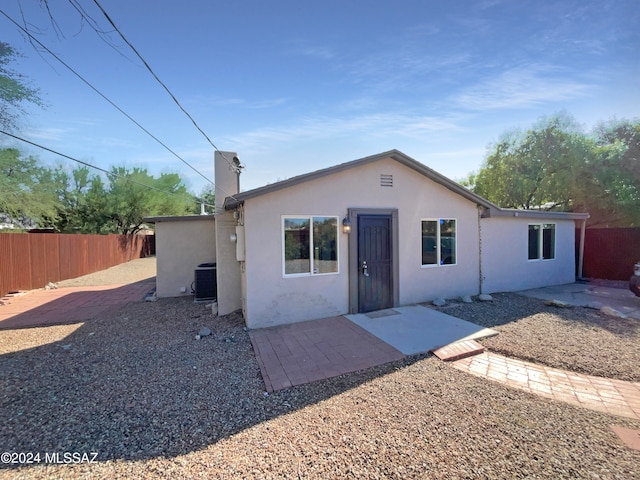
386,180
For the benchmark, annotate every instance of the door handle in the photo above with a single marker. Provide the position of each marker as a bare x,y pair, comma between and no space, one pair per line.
365,268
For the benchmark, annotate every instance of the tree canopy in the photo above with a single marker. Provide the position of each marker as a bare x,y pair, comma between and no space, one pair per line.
556,166
27,189
119,203
81,201
15,92
77,200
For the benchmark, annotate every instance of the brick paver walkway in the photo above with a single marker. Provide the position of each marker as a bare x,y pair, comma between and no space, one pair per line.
615,397
304,352
308,351
69,304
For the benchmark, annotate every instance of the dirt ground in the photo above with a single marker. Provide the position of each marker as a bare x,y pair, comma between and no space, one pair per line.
133,271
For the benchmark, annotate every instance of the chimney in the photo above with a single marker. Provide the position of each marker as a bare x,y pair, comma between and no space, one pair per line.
228,275
227,177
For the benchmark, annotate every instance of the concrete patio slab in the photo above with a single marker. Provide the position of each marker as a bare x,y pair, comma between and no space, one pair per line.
584,294
416,329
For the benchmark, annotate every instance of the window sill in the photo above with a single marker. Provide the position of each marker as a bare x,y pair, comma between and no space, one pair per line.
435,265
303,275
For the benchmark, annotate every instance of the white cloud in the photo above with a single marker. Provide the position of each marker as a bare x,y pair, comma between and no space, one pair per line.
216,101
51,133
369,125
522,87
322,53
404,68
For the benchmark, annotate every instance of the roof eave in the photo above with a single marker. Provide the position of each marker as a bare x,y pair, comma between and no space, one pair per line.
178,218
514,212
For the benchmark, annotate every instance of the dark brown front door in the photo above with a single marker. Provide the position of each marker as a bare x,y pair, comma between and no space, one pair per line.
375,275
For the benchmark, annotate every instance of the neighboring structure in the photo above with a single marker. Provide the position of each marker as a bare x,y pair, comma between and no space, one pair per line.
371,234
182,243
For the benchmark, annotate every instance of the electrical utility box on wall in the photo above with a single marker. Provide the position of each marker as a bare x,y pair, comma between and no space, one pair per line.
205,282
240,256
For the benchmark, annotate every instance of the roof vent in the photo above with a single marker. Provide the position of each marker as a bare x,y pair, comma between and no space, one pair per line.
386,180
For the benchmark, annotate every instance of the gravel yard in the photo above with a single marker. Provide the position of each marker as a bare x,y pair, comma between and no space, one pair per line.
575,338
135,386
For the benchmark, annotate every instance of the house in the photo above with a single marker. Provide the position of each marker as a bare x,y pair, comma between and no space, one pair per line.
182,243
371,234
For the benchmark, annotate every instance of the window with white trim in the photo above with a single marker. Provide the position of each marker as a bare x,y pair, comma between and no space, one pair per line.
439,242
310,245
542,241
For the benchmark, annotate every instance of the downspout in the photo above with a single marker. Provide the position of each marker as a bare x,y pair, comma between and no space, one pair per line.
480,276
583,228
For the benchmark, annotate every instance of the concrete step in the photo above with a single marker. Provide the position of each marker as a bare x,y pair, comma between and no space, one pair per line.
458,350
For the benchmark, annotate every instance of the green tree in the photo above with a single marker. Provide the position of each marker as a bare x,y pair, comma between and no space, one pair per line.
134,194
117,202
28,190
15,92
83,200
617,173
531,169
556,166
94,210
208,197
178,202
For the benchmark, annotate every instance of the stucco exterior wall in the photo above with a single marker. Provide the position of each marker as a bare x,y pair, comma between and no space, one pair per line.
271,299
505,263
181,246
228,267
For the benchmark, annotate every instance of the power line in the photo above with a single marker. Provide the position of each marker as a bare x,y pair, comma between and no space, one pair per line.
173,97
235,167
103,96
111,174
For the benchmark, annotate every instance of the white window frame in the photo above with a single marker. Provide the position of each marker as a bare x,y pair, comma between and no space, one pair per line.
311,272
540,256
439,243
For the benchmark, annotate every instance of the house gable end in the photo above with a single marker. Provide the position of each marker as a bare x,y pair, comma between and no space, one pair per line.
236,200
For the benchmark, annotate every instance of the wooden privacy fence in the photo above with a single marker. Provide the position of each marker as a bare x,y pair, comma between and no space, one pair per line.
610,253
31,260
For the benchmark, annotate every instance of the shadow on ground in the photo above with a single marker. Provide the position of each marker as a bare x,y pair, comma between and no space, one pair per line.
72,305
135,384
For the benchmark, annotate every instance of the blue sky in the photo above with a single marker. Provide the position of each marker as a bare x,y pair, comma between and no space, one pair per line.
294,86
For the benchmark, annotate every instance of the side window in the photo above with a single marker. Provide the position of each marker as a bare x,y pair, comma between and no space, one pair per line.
439,242
534,242
296,246
310,245
542,241
548,241
429,242
325,244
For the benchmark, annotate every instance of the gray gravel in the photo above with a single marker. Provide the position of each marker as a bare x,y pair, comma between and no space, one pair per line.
136,387
577,339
